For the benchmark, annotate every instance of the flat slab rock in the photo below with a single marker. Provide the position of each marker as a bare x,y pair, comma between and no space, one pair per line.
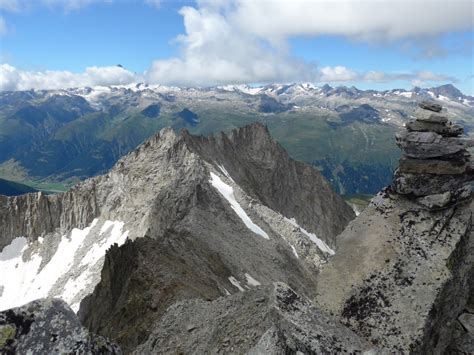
427,184
270,319
401,274
422,145
430,106
430,117
449,130
48,326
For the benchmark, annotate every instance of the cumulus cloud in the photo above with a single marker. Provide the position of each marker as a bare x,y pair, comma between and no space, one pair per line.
215,52
240,41
12,78
365,20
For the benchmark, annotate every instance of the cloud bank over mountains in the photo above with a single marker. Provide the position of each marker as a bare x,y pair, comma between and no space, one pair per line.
240,41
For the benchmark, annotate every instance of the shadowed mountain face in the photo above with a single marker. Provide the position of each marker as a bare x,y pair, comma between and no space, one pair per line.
186,217
11,188
346,133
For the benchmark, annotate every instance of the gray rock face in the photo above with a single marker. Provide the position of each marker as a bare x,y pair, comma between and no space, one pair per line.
266,320
48,327
436,164
401,274
264,170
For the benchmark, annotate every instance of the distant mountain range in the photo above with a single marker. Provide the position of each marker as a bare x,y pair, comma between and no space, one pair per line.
66,135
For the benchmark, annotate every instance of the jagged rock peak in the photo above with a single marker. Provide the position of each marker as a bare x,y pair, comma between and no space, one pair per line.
436,167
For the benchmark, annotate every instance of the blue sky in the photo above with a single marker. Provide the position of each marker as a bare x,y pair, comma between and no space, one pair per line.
236,41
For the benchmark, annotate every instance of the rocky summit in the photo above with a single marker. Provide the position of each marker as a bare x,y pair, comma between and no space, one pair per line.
435,169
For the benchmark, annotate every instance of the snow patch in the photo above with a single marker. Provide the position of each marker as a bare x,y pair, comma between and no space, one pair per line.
294,251
319,243
228,193
251,281
71,273
236,283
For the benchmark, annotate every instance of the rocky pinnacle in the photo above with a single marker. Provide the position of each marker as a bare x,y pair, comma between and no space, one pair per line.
435,169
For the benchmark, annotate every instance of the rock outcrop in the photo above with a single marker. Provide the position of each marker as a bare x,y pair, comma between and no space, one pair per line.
404,269
49,327
435,169
401,274
270,319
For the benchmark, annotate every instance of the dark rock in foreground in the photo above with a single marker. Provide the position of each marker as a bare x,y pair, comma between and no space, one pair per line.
48,327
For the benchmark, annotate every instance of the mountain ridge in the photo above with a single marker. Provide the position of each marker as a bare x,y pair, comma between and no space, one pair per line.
82,132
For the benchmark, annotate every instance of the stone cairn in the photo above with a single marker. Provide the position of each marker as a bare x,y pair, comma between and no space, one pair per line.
435,169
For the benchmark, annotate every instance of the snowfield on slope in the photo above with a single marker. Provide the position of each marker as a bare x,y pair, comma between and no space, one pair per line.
71,273
321,244
228,193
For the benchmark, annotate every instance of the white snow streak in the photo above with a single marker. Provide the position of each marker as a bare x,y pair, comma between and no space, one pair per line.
236,283
251,281
294,251
228,193
224,171
320,244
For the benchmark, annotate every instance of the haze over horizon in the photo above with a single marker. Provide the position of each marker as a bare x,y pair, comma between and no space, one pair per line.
51,44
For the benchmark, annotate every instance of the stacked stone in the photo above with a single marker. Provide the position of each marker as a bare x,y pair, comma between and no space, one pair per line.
435,168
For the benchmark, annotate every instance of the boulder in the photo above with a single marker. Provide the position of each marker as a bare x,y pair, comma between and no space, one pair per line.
441,200
430,106
422,145
447,130
435,201
426,184
48,326
426,116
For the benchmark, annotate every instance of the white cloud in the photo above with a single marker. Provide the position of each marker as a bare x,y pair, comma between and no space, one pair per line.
215,52
366,19
241,41
337,74
154,3
9,5
12,78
